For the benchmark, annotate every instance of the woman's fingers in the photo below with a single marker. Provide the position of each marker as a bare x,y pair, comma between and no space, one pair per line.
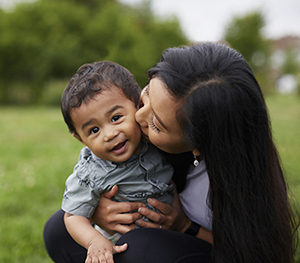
124,207
112,215
128,222
164,220
111,193
145,224
158,218
162,207
124,228
171,217
115,216
108,206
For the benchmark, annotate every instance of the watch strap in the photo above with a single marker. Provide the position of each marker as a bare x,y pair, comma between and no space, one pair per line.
193,229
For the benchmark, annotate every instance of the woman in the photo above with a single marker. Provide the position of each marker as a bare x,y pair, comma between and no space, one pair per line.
205,101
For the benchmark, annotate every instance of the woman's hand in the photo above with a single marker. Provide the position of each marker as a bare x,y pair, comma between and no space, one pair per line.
114,216
171,217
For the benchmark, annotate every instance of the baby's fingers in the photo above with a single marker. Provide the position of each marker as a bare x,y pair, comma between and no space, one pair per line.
91,259
119,249
102,258
116,249
88,259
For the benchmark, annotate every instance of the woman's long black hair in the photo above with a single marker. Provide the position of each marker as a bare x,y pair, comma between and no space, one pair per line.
225,117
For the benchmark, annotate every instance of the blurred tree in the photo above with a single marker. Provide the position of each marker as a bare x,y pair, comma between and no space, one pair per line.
245,35
49,39
291,63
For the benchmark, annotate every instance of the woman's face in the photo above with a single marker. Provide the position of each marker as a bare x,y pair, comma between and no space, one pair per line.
157,118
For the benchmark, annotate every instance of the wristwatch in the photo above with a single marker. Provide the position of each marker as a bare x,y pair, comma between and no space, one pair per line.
193,229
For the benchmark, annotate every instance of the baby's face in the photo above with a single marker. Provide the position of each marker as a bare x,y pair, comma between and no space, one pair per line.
106,124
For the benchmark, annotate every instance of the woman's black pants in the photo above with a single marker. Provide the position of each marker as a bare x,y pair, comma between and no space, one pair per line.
145,245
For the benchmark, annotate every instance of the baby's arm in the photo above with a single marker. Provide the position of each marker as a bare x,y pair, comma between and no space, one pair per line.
99,248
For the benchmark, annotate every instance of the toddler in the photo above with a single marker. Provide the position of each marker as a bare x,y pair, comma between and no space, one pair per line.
99,106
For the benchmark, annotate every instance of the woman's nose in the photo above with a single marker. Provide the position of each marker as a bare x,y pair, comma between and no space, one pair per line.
141,116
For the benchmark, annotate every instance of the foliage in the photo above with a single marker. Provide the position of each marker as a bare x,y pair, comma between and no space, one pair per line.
37,157
49,39
291,64
245,35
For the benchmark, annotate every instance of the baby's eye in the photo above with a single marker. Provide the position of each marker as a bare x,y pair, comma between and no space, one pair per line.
115,118
94,130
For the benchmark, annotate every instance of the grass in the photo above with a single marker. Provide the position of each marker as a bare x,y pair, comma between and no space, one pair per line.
285,117
37,154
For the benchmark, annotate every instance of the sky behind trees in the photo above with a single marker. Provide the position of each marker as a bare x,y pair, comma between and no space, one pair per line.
205,20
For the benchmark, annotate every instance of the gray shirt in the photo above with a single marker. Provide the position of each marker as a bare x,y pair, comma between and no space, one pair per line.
194,198
139,178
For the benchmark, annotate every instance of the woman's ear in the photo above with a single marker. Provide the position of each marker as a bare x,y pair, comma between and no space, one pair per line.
196,152
75,135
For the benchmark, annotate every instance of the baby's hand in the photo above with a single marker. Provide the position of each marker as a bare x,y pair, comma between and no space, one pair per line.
102,250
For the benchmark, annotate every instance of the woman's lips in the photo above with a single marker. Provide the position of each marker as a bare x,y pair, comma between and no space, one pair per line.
119,148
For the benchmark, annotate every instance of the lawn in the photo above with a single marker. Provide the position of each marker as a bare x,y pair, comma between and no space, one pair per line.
37,154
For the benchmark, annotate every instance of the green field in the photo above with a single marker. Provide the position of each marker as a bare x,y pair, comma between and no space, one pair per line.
37,154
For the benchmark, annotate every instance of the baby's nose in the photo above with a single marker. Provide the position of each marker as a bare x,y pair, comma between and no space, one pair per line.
111,134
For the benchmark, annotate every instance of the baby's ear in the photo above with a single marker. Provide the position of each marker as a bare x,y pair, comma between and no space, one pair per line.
75,135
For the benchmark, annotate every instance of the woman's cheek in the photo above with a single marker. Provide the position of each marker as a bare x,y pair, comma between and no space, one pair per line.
153,138
157,140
